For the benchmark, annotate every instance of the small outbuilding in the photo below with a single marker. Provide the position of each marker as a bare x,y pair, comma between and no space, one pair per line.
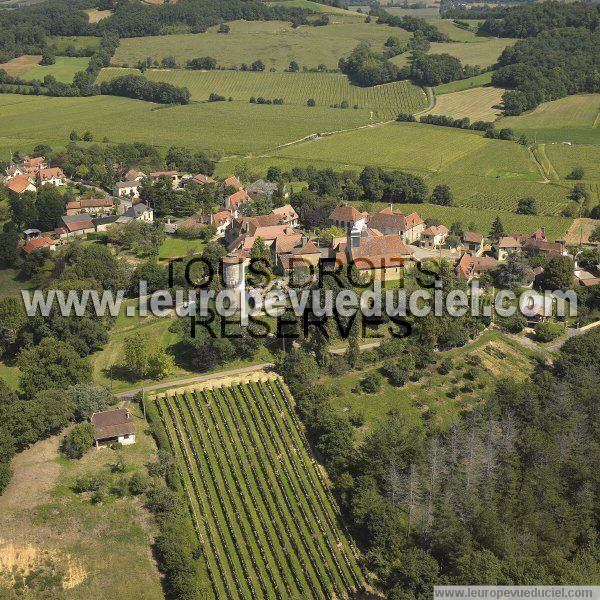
113,426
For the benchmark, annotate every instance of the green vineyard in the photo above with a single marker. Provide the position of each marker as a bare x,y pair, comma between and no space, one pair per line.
267,524
385,101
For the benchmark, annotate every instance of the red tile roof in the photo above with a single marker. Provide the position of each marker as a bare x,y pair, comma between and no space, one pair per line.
52,173
508,242
201,179
388,219
165,173
18,184
472,237
36,243
233,182
436,230
380,252
238,198
470,265
346,213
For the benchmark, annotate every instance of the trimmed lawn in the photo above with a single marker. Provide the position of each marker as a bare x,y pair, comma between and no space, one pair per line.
63,70
176,247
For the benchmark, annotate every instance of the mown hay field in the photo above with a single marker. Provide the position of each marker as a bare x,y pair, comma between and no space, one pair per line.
225,127
63,69
478,103
384,101
79,41
267,524
574,119
18,66
274,42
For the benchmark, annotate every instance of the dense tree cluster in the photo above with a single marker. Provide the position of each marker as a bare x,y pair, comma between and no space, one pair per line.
413,24
434,69
547,67
137,20
136,86
365,67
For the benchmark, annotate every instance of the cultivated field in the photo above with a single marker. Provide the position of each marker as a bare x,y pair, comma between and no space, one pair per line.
574,118
18,66
274,42
479,103
62,70
226,127
266,522
384,101
565,158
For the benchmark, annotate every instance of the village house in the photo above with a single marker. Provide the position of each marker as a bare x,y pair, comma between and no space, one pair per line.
304,254
27,166
473,242
77,225
174,176
20,184
378,256
408,227
92,206
471,266
232,182
506,246
101,224
434,237
261,189
268,234
53,176
112,426
287,215
544,247
202,179
221,221
137,212
32,233
345,216
235,201
127,189
134,175
38,243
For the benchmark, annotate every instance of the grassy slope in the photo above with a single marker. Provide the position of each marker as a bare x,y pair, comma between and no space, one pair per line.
295,88
79,41
107,546
274,42
463,84
228,127
428,396
63,70
574,118
18,66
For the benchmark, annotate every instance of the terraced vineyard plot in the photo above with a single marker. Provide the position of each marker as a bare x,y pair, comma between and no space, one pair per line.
384,101
266,522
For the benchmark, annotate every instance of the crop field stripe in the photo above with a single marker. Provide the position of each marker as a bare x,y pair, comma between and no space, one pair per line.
273,531
220,491
265,523
257,536
276,494
318,507
327,554
196,504
219,521
295,510
322,491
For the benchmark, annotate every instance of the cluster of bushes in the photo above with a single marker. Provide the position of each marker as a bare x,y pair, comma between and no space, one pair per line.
412,24
261,100
435,69
365,67
136,86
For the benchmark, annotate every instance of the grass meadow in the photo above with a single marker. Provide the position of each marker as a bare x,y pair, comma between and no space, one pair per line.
574,119
384,101
478,103
565,158
464,84
79,41
62,70
274,42
225,127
